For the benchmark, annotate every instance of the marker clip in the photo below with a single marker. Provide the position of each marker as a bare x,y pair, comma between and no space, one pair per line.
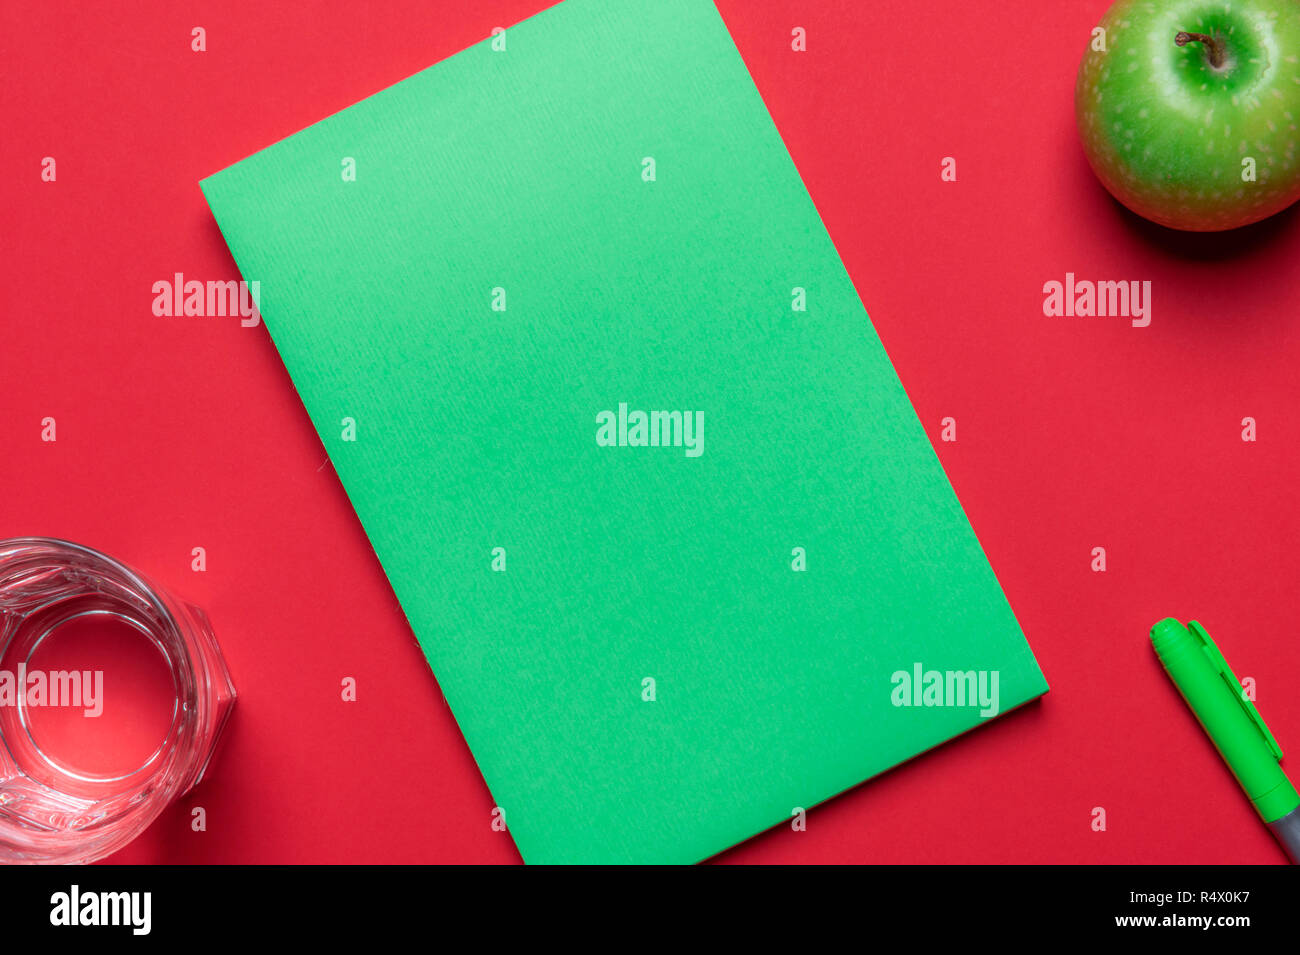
1230,678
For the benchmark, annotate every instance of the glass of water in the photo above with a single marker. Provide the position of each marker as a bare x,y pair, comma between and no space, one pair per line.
113,694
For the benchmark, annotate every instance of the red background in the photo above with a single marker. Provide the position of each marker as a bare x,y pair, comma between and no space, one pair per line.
1073,433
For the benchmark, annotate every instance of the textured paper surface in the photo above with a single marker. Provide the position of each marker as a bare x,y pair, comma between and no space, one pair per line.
523,170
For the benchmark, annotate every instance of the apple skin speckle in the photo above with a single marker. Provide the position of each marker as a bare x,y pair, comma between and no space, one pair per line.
1198,125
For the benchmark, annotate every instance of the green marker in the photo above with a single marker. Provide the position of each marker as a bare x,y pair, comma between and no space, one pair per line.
1215,695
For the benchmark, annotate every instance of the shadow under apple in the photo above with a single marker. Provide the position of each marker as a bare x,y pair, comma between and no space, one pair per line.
1205,246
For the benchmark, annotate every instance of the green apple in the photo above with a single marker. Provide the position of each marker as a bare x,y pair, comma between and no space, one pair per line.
1188,109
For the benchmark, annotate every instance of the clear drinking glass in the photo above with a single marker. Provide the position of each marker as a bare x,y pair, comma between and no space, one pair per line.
53,809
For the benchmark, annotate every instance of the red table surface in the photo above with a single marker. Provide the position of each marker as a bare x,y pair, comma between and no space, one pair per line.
1072,433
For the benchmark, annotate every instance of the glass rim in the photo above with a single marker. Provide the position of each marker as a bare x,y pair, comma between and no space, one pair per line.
142,793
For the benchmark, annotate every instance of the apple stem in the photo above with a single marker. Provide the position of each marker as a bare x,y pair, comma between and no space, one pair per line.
1214,48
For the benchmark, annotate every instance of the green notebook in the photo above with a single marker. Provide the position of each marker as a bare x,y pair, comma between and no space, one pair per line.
655,503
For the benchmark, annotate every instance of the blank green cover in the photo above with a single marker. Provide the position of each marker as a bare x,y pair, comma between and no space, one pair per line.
659,635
